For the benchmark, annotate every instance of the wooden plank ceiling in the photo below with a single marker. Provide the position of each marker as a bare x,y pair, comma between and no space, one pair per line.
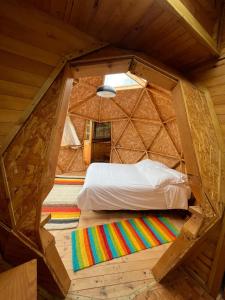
150,26
35,35
32,45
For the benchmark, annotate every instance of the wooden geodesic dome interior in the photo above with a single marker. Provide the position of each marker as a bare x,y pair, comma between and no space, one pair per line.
30,173
50,53
143,125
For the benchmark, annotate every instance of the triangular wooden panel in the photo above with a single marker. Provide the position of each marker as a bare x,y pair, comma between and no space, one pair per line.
164,106
127,99
65,157
130,139
79,93
164,145
114,157
79,125
129,156
117,129
89,109
91,81
170,162
146,109
109,110
78,163
174,133
147,131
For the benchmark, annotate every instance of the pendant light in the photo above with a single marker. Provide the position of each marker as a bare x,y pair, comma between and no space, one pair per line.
106,91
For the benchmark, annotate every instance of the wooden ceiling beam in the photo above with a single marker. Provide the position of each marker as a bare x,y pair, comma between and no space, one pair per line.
193,24
101,68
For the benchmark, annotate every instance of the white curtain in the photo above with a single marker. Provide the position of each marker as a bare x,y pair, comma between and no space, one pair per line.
69,134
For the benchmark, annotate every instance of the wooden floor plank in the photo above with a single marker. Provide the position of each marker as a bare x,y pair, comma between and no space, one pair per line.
113,269
113,291
112,279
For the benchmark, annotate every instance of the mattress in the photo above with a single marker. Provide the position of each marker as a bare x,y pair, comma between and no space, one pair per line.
126,187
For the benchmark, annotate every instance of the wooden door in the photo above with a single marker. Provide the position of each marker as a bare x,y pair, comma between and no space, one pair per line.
88,142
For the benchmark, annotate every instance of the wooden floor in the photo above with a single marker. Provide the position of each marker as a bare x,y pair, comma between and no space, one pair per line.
128,277
124,278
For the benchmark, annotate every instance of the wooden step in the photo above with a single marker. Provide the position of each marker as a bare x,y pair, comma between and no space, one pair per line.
176,252
195,210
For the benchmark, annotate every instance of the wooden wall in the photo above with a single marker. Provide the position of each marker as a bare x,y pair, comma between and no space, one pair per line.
143,125
32,45
200,246
27,175
212,76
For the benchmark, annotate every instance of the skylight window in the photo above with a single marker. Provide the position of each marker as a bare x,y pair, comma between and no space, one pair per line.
121,81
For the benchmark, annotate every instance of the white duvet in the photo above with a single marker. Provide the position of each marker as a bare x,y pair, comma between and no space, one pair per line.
142,186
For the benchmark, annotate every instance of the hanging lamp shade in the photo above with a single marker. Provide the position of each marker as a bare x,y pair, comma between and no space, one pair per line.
106,91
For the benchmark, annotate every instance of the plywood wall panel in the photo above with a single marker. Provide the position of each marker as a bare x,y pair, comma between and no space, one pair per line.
114,156
173,131
108,110
130,156
26,158
80,91
127,99
147,132
170,162
204,136
163,144
211,76
130,138
164,105
118,128
88,109
145,105
91,82
78,164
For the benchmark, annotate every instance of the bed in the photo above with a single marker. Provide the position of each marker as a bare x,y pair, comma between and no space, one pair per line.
146,185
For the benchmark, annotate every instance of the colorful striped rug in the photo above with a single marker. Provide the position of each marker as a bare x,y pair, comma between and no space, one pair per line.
100,243
62,217
69,180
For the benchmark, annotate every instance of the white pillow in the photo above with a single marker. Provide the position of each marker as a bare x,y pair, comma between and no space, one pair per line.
147,163
159,175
